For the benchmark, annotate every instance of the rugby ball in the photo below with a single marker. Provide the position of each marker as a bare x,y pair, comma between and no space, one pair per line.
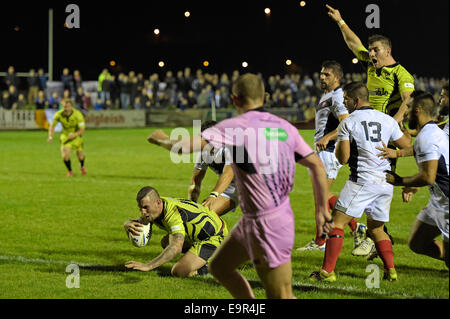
143,237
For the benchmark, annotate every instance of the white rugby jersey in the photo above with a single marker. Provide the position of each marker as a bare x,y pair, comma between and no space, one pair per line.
214,160
366,129
330,106
432,144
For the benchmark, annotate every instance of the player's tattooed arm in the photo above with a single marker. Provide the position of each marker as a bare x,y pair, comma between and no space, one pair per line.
171,251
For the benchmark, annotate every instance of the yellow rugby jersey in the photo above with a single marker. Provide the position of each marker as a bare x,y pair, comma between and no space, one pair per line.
386,85
194,221
71,123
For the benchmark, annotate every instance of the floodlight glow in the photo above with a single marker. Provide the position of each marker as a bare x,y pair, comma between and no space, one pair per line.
302,3
355,60
267,11
156,31
161,64
205,63
288,62
244,64
187,14
112,63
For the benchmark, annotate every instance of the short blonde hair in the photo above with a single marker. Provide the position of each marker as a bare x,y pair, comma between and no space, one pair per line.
249,88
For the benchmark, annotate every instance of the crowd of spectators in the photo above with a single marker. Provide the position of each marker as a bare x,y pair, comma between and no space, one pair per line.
183,90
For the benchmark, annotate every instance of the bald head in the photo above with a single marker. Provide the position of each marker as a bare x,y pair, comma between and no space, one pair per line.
249,90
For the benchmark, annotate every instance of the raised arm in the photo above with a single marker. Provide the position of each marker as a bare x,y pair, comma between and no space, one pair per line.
350,38
196,184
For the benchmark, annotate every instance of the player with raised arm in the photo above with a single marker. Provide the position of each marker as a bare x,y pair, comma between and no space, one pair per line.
71,137
190,227
389,83
330,111
224,196
430,151
265,233
366,190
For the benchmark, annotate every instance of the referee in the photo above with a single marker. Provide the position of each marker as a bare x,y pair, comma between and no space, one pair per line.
389,83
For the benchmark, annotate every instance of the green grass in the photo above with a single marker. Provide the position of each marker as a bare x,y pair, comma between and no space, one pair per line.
49,221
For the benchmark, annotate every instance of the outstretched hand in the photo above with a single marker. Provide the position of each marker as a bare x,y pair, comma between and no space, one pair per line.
334,13
157,136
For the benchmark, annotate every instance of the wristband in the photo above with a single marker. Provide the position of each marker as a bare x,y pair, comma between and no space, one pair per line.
341,23
214,194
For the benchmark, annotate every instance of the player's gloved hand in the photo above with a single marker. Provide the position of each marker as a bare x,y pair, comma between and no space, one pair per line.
334,13
393,178
133,227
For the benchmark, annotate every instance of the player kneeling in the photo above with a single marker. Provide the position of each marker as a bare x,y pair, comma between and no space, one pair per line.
190,227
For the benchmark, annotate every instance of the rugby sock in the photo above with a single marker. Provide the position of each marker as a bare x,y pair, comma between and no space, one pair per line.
353,224
332,249
384,250
68,165
332,202
82,162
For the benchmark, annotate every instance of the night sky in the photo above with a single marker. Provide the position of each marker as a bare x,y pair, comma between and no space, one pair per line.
225,33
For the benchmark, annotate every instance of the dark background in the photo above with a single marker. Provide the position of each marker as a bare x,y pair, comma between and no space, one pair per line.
223,32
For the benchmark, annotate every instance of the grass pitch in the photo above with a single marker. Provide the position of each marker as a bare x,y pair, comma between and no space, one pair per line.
49,221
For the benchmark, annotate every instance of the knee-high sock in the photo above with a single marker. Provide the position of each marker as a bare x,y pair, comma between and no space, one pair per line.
333,249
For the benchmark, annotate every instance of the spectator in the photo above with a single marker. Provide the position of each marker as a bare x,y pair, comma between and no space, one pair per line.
42,79
41,101
192,101
14,95
79,98
104,75
21,102
182,102
98,105
125,92
77,80
137,103
114,92
105,93
11,78
54,100
6,101
67,80
33,86
87,102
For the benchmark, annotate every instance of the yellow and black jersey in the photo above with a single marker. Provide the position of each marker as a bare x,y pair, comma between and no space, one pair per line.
386,84
196,222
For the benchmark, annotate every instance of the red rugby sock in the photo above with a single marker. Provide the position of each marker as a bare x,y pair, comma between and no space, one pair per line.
333,249
384,249
353,224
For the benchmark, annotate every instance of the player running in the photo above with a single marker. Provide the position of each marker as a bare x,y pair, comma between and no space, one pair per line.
73,125
265,233
330,111
430,151
191,228
366,190
224,196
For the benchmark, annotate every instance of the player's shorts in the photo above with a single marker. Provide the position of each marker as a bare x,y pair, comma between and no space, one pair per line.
331,164
268,239
232,194
205,248
435,217
76,144
374,199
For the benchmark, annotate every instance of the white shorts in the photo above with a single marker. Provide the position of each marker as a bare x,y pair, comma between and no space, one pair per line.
435,217
331,164
374,199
